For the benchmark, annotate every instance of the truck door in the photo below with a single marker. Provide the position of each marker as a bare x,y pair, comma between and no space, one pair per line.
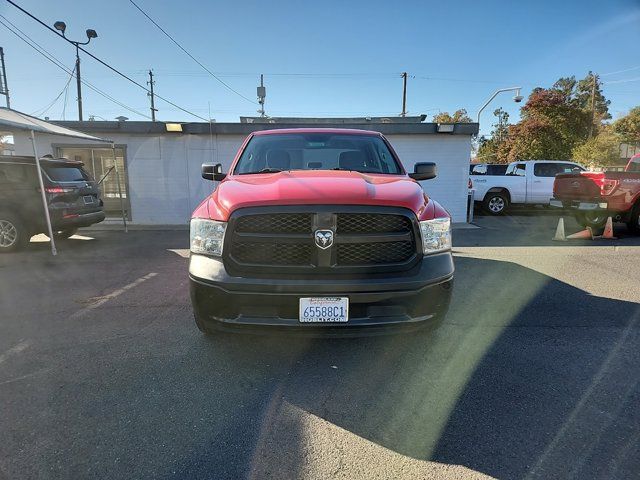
517,185
541,182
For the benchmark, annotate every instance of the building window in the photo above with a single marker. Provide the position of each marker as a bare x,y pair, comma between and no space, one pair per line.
99,162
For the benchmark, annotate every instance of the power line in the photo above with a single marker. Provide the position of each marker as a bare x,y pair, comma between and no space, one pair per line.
38,48
626,80
189,54
621,71
43,110
113,69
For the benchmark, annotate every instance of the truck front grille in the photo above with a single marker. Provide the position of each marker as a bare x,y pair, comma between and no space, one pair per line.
275,223
365,239
374,253
281,254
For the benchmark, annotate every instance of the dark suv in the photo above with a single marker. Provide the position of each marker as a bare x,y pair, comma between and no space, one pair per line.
72,195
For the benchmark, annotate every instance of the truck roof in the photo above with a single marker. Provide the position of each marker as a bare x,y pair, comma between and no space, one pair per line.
335,131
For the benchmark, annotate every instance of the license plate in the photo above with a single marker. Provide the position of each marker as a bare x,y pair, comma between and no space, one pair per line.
324,310
88,199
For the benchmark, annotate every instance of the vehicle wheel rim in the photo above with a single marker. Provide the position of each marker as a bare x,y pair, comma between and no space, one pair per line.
8,233
496,204
595,218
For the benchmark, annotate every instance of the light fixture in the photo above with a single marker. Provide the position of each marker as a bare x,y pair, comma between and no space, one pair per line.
173,127
60,26
446,127
91,34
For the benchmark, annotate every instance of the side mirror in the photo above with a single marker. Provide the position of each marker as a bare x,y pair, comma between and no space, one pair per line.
213,172
424,171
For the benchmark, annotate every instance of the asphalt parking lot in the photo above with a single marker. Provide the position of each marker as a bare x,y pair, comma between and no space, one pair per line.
535,373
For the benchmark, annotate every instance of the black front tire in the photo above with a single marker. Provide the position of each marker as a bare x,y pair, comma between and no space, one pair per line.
634,222
595,219
14,235
63,234
496,203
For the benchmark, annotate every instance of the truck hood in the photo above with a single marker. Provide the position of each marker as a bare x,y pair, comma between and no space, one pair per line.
304,187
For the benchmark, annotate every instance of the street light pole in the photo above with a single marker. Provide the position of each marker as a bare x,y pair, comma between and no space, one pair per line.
62,27
517,98
78,83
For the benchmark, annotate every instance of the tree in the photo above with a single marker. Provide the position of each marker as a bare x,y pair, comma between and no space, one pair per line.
551,126
459,116
534,138
628,127
583,94
601,150
489,147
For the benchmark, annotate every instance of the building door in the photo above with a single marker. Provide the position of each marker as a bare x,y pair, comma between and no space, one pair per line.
99,162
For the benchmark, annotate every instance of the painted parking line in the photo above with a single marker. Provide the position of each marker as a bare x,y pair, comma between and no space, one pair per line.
19,347
102,300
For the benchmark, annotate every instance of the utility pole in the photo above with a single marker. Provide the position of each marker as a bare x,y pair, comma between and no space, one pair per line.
404,94
262,93
78,83
4,86
593,104
152,97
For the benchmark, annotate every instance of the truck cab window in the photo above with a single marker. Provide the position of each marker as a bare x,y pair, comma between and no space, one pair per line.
517,169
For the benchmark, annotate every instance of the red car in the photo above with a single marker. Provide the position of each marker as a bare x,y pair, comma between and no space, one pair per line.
319,230
594,196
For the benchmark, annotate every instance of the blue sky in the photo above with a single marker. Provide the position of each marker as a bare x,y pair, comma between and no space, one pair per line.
329,58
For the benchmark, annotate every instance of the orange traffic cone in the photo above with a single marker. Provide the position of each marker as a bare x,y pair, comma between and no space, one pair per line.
560,231
608,230
583,234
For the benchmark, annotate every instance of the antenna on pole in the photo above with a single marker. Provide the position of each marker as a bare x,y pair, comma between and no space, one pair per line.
262,93
152,96
4,87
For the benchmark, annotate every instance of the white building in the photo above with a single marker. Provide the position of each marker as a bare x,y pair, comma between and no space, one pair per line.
161,169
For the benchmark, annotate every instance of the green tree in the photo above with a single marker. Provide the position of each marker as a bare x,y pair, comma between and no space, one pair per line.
552,125
459,116
488,148
583,93
601,150
628,127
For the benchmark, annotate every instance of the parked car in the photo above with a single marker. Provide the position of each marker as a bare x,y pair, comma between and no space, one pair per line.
594,196
524,182
319,228
487,168
72,196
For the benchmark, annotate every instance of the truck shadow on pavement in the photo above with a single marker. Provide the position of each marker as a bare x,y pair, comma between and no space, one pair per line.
533,378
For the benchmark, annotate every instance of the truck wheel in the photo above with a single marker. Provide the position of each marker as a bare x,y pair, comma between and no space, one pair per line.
595,219
62,234
496,203
634,221
13,234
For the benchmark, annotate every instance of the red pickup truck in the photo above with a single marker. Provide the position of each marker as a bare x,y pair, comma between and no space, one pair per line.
319,230
594,196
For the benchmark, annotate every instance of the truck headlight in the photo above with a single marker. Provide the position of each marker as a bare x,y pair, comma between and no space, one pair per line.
207,236
436,235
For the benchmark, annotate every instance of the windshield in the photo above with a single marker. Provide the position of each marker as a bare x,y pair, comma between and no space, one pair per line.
317,151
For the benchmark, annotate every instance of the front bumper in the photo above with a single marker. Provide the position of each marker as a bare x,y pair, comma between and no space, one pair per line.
579,204
416,298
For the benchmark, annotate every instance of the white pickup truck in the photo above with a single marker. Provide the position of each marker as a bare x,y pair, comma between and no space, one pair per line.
524,182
